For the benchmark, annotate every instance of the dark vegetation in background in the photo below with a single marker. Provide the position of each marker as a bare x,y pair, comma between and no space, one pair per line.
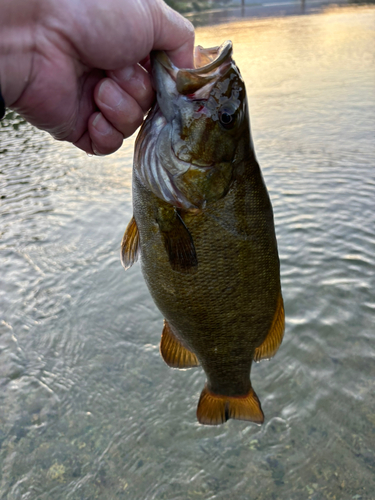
185,6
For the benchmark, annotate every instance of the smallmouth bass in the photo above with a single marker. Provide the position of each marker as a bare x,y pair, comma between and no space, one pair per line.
203,225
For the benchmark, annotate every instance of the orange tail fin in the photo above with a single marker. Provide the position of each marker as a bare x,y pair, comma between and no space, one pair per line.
214,409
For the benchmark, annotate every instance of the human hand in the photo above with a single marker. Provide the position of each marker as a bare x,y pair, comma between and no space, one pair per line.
73,68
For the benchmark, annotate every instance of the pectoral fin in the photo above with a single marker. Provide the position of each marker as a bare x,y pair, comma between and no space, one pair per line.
177,240
215,409
130,245
275,335
173,352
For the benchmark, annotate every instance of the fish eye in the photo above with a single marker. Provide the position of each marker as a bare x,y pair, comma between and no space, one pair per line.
227,118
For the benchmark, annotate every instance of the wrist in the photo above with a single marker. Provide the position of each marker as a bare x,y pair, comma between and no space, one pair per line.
17,43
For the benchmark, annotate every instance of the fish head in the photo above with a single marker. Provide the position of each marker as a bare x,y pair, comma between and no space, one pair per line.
203,121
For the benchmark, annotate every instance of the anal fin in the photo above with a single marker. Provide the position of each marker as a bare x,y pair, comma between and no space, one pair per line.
275,335
215,409
130,245
173,352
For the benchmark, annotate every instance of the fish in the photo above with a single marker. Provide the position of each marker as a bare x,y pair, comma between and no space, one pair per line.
203,226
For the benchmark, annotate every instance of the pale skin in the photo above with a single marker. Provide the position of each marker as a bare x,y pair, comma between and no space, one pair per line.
78,68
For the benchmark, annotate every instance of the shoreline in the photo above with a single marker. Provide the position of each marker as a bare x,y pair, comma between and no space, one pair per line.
261,9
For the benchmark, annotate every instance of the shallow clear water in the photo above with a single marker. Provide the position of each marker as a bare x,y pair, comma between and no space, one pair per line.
88,408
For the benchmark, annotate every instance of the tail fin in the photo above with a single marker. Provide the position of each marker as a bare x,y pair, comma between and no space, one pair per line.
214,409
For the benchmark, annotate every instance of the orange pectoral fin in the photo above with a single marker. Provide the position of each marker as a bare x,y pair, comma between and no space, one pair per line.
214,409
173,352
130,245
275,335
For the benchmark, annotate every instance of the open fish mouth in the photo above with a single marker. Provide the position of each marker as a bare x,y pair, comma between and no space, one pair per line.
210,64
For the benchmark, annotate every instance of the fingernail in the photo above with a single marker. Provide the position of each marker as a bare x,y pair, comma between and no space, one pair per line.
101,125
96,152
126,73
110,95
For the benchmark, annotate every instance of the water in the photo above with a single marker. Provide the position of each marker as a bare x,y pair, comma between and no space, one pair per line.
88,408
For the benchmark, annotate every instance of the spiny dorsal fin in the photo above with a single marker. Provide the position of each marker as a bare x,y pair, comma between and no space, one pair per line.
173,352
275,335
215,409
130,245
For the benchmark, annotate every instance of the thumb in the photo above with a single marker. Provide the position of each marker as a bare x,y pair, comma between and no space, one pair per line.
174,34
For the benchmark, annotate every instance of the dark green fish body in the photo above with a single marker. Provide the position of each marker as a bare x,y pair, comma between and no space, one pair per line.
211,264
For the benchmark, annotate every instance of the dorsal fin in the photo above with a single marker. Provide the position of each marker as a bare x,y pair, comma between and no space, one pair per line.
173,352
275,335
130,245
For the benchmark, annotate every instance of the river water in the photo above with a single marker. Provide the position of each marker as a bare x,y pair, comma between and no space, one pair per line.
88,408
